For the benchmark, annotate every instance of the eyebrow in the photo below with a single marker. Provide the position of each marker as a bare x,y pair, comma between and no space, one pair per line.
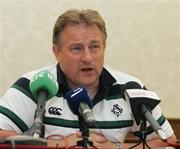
95,41
75,44
79,43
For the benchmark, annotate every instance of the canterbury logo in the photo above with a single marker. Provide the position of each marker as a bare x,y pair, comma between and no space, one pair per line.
55,111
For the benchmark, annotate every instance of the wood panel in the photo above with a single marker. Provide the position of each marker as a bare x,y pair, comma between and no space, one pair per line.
175,123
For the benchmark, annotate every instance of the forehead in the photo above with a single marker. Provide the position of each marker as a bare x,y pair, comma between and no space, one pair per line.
81,31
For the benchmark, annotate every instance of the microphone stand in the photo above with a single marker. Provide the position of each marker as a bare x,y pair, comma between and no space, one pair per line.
142,135
34,135
85,134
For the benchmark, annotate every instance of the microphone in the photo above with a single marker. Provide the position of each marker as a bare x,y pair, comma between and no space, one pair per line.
142,102
80,104
43,86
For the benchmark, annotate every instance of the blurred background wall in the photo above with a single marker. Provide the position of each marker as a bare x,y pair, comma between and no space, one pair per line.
143,40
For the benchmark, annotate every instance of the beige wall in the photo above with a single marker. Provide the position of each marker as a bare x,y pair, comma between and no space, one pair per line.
143,40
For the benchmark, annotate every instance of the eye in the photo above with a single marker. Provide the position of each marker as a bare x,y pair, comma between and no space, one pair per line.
76,49
95,48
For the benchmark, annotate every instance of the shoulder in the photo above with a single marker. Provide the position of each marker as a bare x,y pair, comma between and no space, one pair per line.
52,69
121,77
22,84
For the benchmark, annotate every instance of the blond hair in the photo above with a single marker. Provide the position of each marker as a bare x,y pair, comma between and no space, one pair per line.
76,16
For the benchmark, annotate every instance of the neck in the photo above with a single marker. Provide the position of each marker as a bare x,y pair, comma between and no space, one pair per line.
93,90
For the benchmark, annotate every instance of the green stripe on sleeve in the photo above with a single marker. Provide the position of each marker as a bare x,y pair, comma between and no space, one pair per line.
14,118
161,120
149,129
22,90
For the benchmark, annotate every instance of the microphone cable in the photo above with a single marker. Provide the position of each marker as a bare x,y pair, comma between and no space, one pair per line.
61,137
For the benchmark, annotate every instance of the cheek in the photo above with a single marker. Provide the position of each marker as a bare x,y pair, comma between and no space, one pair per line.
100,59
99,63
65,59
69,63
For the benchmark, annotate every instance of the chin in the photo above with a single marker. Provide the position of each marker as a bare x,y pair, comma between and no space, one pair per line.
88,83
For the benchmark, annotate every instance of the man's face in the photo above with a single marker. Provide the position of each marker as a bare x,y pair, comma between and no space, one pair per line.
80,53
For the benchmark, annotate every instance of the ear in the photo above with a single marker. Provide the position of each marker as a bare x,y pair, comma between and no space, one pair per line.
55,51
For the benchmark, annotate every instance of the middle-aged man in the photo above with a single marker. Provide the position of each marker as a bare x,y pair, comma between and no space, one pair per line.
79,41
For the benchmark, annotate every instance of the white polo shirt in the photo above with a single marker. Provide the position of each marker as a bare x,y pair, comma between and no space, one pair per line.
112,113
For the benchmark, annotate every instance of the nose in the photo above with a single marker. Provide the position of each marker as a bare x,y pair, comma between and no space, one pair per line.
87,55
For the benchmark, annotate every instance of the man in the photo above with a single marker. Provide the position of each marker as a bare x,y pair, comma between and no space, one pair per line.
79,41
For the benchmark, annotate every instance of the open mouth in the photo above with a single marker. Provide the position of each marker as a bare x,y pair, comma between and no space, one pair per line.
86,69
